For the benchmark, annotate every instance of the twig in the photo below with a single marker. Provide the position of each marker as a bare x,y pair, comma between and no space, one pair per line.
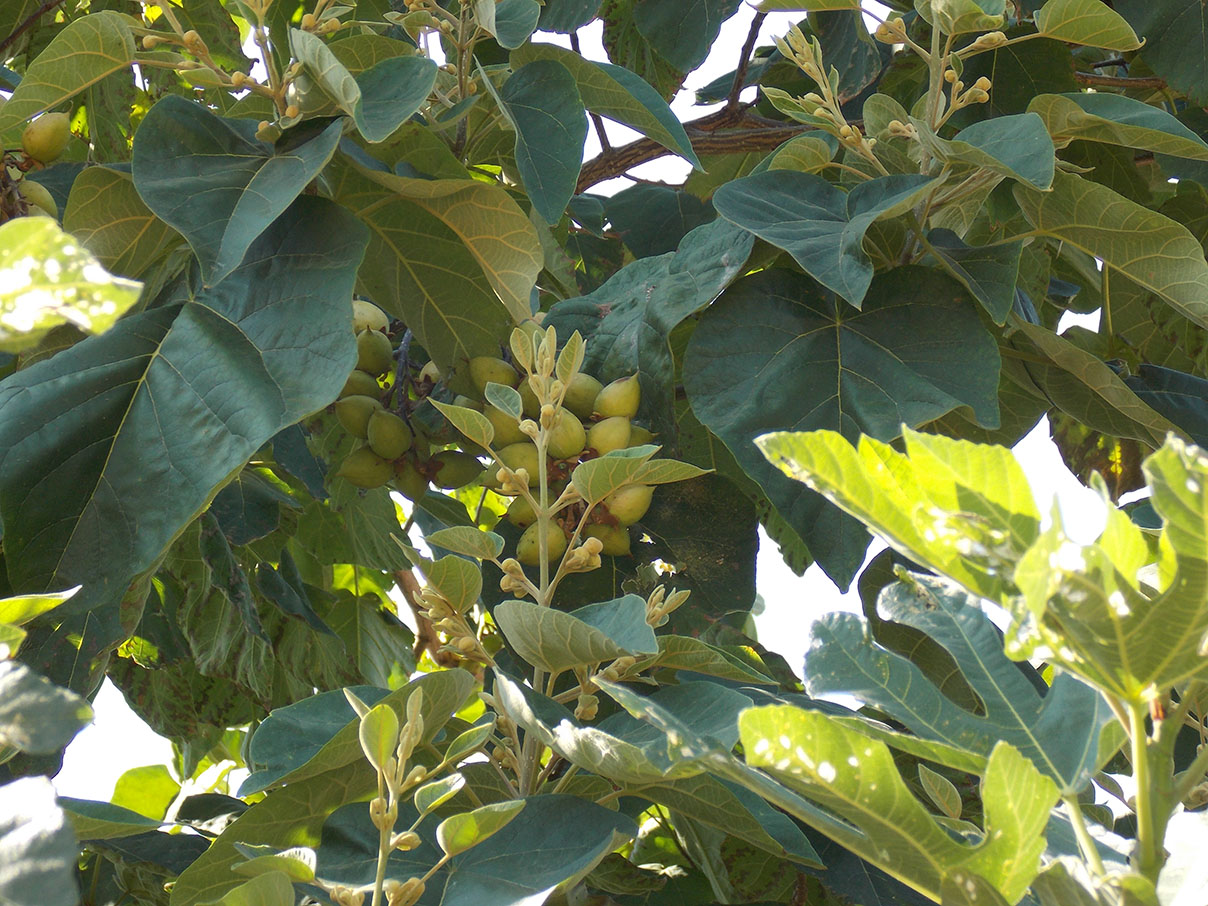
28,21
744,63
597,121
426,638
1102,81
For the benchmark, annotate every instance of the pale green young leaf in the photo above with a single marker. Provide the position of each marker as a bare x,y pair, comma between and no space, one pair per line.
463,539
94,820
954,17
941,791
597,478
327,71
677,652
473,424
378,734
19,610
666,471
271,889
471,740
461,832
48,280
87,50
433,795
811,6
1153,251
856,778
792,107
570,359
1116,120
806,153
297,863
1089,22
456,579
149,790
504,398
555,640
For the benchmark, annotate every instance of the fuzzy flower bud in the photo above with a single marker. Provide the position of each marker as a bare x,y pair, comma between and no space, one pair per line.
406,841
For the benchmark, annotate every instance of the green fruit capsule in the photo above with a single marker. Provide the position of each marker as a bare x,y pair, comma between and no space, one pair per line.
566,438
522,456
614,537
409,480
528,399
489,370
581,393
360,384
621,397
375,353
367,316
388,434
528,548
37,194
365,469
466,403
353,413
455,469
609,434
46,138
507,429
521,513
639,436
630,503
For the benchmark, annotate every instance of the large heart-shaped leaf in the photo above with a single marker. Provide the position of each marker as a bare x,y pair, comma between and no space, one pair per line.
111,447
1116,120
216,183
1058,733
682,31
816,222
391,91
1015,146
1089,22
557,641
916,351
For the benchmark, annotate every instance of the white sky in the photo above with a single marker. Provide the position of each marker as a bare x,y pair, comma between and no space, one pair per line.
118,740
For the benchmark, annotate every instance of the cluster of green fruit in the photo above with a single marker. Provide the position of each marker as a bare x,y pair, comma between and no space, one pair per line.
393,452
43,142
592,420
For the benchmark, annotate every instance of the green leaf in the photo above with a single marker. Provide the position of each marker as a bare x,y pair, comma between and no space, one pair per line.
81,55
378,733
1016,146
456,259
856,778
147,790
456,579
1176,42
329,73
465,831
390,93
941,791
47,280
296,863
470,422
958,16
433,795
553,839
1089,22
93,820
566,16
988,272
1153,251
557,641
618,94
541,100
174,425
37,716
105,213
596,478
817,223
215,182
380,647
682,31
473,542
917,350
1059,732
1116,120
928,503
20,610
677,652
806,153
38,851
813,6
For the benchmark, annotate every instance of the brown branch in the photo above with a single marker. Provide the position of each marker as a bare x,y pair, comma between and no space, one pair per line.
723,132
426,638
1103,81
28,21
596,120
740,74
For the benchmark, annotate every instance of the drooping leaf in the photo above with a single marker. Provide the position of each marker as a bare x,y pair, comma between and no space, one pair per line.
557,641
988,272
542,101
817,223
173,424
215,182
1017,146
1116,120
47,280
38,851
19,610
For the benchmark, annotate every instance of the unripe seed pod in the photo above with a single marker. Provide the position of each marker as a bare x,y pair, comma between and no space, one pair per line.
369,317
566,437
488,370
365,469
581,394
610,434
455,469
360,384
630,503
309,21
405,842
615,539
521,513
388,435
375,353
528,400
37,194
639,436
621,397
409,481
507,429
46,138
430,372
528,548
522,456
354,412
467,645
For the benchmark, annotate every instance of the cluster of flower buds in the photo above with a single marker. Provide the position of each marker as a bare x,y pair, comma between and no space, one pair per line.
660,605
403,893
